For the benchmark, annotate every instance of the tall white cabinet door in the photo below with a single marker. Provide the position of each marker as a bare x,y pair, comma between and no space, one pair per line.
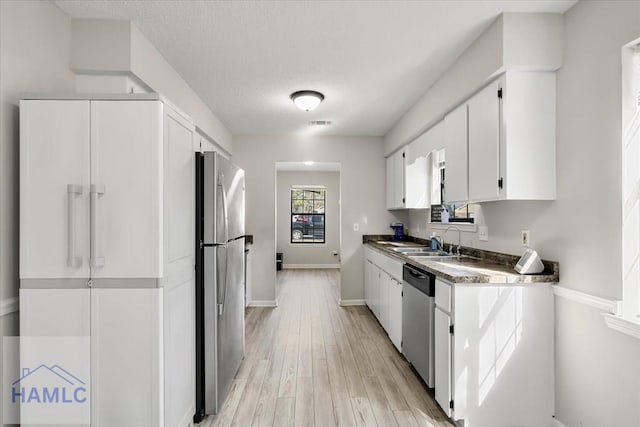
442,347
127,189
395,313
54,184
126,358
390,183
456,167
484,144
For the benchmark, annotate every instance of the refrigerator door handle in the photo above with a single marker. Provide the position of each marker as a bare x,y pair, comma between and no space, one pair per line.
72,191
223,297
96,190
225,211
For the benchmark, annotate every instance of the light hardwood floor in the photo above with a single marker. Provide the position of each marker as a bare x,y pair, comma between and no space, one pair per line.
310,362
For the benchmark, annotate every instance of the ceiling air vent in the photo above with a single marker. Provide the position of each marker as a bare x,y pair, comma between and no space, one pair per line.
320,122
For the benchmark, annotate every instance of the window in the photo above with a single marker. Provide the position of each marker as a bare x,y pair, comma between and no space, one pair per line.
458,213
307,214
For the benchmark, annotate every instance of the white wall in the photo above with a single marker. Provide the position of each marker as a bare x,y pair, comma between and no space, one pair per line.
362,194
308,254
34,57
597,370
115,46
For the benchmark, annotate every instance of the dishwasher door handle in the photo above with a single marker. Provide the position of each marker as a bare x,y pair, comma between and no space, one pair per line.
416,274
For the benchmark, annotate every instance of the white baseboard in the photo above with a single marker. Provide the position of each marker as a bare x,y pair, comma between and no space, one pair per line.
308,266
8,306
556,423
263,303
347,302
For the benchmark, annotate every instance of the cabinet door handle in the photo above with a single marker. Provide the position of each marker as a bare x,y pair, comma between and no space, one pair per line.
96,190
72,191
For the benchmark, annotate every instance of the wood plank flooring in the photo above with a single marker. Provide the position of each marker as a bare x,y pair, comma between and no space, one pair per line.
310,362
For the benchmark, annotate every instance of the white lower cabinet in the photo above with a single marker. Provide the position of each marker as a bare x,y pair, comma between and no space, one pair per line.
383,292
395,313
494,353
442,347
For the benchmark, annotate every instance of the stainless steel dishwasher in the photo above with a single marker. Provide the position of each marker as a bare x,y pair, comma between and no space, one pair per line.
418,307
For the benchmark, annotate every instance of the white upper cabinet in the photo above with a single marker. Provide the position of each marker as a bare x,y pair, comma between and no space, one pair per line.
456,145
110,174
484,144
127,189
54,178
395,180
528,136
505,149
420,156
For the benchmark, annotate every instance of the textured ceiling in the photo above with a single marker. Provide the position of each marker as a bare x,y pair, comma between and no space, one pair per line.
371,59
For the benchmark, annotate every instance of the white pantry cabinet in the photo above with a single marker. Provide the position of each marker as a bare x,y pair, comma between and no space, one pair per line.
106,247
396,180
494,353
505,148
383,292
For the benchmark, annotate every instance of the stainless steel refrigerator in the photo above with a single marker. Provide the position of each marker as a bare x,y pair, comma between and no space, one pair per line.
219,279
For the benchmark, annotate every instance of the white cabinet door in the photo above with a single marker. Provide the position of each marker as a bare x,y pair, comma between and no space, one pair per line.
375,290
127,189
367,282
484,144
395,314
385,284
398,179
54,184
390,183
443,359
456,166
126,343
55,329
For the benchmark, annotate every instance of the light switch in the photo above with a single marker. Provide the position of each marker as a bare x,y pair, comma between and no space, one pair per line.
356,226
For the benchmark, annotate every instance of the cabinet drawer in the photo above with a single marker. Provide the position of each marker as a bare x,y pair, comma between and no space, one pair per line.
386,263
443,295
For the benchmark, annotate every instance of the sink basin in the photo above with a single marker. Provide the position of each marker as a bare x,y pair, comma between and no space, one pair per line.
421,251
412,249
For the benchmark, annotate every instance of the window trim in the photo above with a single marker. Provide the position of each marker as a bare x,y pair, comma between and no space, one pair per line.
627,319
291,215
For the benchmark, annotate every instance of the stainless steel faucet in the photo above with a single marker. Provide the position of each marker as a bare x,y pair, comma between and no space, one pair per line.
451,244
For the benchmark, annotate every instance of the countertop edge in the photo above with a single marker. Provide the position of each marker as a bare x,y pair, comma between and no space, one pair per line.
498,279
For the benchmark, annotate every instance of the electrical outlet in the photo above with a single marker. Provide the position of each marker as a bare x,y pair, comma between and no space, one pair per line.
356,226
483,233
525,238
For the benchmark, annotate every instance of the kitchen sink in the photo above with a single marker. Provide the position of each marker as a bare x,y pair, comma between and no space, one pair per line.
420,251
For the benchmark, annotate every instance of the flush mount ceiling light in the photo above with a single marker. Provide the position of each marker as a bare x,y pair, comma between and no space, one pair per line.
307,100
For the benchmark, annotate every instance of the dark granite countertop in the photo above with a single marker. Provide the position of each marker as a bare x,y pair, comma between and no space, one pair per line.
474,266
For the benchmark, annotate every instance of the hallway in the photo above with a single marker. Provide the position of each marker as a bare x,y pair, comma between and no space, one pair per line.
310,362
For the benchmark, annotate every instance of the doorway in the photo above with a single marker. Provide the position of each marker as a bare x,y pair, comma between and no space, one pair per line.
308,216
